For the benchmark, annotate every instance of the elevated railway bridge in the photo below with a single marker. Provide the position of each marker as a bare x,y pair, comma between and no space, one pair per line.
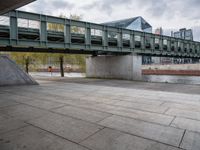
121,48
30,32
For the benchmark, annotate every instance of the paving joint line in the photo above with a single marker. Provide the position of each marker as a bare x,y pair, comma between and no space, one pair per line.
26,125
92,135
168,108
172,121
58,135
182,139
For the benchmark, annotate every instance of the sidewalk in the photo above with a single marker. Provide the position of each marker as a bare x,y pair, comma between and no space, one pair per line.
93,114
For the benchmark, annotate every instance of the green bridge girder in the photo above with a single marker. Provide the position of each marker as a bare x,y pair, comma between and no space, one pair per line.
109,40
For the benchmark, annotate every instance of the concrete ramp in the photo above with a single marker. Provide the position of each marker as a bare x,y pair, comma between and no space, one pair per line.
12,74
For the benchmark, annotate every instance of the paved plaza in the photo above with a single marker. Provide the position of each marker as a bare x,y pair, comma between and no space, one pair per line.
94,114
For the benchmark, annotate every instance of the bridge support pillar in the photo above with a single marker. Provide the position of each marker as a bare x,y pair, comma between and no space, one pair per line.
128,67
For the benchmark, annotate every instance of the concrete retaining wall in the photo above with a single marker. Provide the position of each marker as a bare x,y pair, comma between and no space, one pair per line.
173,67
172,72
178,69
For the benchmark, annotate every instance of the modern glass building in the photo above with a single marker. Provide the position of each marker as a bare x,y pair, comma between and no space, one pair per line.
184,34
136,23
159,31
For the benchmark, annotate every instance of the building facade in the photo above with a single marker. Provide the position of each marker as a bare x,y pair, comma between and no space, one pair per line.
136,23
186,34
159,31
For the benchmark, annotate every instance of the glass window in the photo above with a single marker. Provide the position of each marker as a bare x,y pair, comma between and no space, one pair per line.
77,30
25,23
147,40
96,32
179,44
177,35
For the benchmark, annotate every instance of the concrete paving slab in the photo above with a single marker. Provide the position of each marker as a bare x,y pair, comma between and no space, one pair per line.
10,124
188,105
184,113
144,107
23,112
4,117
189,124
36,96
81,113
100,100
48,95
1,117
131,113
5,103
164,134
80,102
108,139
31,138
87,95
18,98
66,127
191,141
43,104
142,100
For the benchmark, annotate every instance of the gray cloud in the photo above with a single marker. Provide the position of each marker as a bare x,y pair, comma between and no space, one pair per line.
190,9
157,9
106,5
62,4
170,9
169,14
196,33
47,6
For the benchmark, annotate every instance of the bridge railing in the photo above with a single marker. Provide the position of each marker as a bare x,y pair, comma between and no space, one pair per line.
32,30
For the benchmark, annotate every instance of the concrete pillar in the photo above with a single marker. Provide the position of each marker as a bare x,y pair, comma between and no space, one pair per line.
128,67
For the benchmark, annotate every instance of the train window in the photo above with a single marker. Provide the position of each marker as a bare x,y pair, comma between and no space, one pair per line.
137,38
157,41
126,36
4,20
77,30
112,34
25,23
164,42
96,32
148,42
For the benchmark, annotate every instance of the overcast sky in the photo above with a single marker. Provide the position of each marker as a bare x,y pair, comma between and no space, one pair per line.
169,14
